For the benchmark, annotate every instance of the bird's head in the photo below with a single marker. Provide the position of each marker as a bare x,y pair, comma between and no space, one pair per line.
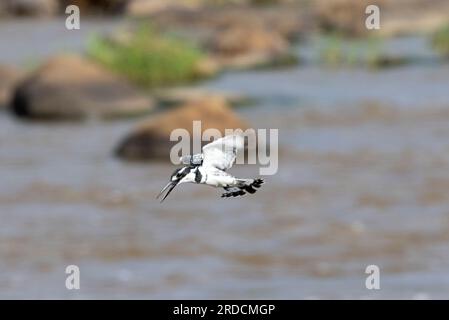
181,175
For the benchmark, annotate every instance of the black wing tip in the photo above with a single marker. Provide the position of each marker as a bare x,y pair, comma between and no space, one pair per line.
242,190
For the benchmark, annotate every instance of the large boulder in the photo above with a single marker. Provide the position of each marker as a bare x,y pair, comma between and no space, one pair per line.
3,9
9,77
239,36
97,6
29,7
151,138
180,95
343,16
240,40
144,8
71,87
284,19
52,7
247,47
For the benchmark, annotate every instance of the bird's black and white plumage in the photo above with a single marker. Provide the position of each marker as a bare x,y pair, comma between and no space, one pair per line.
210,167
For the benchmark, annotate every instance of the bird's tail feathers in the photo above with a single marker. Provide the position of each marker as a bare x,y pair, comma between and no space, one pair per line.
243,187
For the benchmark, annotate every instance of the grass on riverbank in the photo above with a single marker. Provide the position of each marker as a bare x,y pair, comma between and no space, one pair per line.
337,51
440,41
148,58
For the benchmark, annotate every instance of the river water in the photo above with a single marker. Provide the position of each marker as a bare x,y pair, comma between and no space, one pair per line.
363,179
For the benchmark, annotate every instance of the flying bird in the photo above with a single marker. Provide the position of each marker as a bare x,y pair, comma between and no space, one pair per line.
209,168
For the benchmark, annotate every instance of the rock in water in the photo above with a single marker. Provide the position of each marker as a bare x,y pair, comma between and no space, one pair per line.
29,7
142,8
243,40
9,77
98,6
151,138
244,47
345,17
71,87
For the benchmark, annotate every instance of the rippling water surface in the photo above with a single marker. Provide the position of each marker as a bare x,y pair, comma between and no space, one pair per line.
363,179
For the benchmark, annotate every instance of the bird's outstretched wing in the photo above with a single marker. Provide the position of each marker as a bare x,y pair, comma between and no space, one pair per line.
221,153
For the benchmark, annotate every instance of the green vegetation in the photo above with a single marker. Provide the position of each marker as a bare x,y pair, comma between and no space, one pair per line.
337,51
286,60
440,41
148,58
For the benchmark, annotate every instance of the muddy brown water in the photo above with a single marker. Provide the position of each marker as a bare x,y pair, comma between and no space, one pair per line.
363,179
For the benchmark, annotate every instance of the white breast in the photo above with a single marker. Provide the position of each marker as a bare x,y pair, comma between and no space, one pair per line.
216,178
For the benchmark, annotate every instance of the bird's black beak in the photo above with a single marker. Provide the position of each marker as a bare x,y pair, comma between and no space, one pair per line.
170,186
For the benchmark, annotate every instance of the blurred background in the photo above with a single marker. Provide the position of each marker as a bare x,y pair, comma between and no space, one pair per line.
85,118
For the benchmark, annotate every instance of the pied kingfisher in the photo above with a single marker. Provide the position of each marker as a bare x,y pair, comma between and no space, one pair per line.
209,168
